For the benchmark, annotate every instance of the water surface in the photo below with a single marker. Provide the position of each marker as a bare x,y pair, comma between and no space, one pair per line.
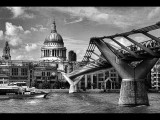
77,103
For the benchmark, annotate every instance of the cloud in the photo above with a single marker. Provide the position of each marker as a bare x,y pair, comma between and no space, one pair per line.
126,42
24,57
154,12
30,47
34,29
14,41
12,30
20,12
13,51
29,16
80,54
39,28
99,16
70,40
123,41
27,32
79,46
1,35
72,21
17,11
122,17
140,39
14,34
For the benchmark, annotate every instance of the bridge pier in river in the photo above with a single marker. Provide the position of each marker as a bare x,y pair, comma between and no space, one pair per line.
132,63
133,90
73,84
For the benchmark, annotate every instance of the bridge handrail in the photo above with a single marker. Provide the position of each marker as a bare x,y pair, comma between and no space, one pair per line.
149,44
135,48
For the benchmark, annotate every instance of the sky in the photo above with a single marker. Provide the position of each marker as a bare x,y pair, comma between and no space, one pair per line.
25,28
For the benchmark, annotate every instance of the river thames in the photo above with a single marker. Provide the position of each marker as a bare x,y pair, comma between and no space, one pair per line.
89,102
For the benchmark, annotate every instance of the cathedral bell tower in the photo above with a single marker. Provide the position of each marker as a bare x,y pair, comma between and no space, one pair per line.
6,52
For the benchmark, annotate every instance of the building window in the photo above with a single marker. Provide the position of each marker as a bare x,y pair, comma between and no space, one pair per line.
14,71
48,73
43,73
113,75
23,71
38,77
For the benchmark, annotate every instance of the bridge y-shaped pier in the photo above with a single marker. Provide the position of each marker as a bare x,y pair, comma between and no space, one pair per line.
132,63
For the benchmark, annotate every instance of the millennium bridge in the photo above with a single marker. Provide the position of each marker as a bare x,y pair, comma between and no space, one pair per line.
132,63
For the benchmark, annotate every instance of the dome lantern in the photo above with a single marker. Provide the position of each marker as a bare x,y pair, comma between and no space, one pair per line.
53,27
54,37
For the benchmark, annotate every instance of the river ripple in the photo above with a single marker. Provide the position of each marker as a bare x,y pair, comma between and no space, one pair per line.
77,103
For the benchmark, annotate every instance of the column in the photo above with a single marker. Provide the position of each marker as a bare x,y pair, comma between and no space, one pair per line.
55,53
97,79
91,81
42,53
103,79
61,53
50,52
46,52
58,53
79,85
64,53
85,81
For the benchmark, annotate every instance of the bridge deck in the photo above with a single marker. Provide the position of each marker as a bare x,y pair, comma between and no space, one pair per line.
135,52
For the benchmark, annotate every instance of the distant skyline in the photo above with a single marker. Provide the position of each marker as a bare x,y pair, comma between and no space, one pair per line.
27,27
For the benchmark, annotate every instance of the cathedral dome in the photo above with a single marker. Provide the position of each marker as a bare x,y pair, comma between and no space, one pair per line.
53,48
54,37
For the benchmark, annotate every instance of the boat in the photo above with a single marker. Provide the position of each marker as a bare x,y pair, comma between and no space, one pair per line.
6,88
19,90
26,95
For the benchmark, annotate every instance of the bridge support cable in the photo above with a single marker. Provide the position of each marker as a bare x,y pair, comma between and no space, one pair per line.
141,30
99,56
122,46
91,47
151,36
89,50
88,66
133,90
141,46
97,61
94,64
116,52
